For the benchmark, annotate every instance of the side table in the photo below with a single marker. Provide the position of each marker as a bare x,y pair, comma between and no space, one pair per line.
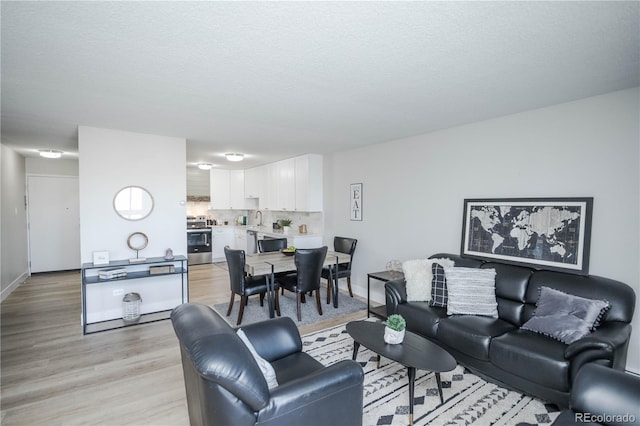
383,276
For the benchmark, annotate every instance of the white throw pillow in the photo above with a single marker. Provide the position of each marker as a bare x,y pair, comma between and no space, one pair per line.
472,291
418,277
267,370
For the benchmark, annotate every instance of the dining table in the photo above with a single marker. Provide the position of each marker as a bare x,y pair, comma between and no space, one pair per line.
270,263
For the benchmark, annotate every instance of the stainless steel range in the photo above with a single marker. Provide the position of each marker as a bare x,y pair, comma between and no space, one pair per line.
199,241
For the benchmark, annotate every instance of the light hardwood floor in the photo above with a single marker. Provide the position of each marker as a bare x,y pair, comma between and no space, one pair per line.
52,374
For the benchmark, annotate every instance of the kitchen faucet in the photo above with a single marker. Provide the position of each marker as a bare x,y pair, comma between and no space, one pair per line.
259,223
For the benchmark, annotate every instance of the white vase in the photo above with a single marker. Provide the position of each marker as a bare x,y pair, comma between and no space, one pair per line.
393,337
286,229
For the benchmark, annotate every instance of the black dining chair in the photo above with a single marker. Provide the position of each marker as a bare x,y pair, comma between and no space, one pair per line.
272,244
307,276
342,245
244,285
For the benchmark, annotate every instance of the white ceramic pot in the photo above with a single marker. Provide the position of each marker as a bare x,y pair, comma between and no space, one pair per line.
393,337
286,229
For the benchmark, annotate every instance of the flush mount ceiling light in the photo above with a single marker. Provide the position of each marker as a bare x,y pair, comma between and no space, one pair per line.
205,166
50,153
234,156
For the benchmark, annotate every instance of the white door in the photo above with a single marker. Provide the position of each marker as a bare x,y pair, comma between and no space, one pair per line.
54,223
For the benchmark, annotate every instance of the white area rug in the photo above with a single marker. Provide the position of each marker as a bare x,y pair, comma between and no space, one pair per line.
469,400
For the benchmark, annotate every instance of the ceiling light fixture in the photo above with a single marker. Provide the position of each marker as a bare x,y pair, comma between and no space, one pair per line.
205,166
234,156
50,153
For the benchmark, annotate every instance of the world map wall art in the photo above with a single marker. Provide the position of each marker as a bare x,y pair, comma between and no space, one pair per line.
547,233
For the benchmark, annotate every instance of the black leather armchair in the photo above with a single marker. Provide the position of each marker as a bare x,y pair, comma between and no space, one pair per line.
603,396
225,386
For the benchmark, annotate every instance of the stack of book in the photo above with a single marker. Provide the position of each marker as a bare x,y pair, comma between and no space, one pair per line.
109,274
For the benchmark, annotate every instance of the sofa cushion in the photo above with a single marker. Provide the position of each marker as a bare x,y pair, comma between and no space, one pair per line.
439,294
294,366
418,276
422,318
533,357
471,291
471,334
565,317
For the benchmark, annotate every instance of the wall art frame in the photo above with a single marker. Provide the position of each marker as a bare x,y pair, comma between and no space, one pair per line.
543,233
355,195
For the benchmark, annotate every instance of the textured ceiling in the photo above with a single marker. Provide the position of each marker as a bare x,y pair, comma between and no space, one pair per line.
277,79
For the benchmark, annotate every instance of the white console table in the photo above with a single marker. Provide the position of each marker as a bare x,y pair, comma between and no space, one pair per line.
160,293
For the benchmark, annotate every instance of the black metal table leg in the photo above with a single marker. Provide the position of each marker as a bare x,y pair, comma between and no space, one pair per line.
356,346
271,283
439,387
411,373
335,286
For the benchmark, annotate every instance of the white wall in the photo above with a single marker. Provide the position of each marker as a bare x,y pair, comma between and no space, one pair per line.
51,167
14,267
414,188
111,160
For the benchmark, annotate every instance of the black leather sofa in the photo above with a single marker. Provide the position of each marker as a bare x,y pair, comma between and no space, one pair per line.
225,385
602,396
498,350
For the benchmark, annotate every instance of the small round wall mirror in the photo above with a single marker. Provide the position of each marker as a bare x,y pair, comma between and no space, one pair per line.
133,203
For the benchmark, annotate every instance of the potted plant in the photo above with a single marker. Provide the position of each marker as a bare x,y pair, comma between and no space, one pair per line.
394,330
286,225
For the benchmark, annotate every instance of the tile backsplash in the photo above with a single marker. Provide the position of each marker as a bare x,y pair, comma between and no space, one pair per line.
313,220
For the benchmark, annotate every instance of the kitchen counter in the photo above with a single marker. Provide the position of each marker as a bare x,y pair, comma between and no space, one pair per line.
277,233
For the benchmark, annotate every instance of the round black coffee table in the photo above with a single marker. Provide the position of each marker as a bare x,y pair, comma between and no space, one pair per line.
415,352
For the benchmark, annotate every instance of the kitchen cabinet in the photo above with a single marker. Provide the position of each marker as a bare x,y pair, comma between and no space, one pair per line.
227,189
254,182
240,239
279,192
308,183
236,189
222,236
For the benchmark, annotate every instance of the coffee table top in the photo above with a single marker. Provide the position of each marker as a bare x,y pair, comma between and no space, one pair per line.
415,351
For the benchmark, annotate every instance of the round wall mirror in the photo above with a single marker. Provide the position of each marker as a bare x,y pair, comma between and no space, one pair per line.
133,203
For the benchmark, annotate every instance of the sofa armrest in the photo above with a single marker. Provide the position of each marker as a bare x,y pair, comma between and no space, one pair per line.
275,338
395,292
601,393
332,395
607,339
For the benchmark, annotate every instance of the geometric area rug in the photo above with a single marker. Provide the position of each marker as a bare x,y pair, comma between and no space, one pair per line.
468,399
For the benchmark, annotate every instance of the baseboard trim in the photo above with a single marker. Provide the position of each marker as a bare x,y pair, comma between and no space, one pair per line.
15,284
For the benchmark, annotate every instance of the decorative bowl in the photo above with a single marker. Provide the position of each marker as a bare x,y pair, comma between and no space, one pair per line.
288,252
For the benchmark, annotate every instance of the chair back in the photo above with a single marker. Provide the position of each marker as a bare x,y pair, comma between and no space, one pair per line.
309,268
273,244
235,263
345,245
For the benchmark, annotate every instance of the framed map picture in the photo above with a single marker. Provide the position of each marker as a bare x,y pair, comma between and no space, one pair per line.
549,233
355,191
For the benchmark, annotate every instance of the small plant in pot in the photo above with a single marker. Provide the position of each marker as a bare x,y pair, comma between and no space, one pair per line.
285,224
394,330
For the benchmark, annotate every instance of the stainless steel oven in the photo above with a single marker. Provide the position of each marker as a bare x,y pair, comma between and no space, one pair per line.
199,246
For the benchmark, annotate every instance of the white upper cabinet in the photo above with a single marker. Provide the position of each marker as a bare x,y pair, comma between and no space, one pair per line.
308,173
227,189
294,184
254,182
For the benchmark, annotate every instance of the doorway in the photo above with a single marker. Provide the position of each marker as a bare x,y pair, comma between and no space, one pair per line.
53,204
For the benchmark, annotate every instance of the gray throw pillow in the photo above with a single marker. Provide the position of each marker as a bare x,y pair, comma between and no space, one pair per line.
565,317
